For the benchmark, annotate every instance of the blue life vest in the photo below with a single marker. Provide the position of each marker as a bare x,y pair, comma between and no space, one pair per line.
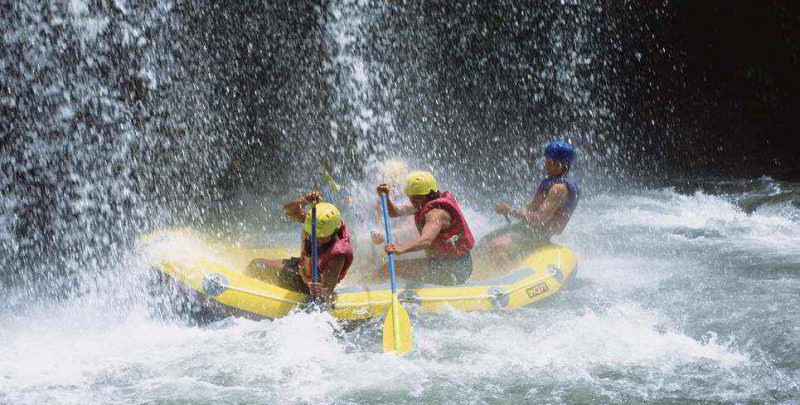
574,191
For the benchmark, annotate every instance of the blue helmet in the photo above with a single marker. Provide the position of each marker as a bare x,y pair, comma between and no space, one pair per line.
560,151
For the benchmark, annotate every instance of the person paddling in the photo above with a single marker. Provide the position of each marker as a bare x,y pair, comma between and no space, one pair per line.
546,215
334,251
443,233
392,172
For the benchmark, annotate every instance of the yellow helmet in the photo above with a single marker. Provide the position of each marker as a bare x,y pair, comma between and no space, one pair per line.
328,220
420,183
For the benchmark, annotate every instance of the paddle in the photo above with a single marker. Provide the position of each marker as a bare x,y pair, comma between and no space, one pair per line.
329,178
397,326
314,252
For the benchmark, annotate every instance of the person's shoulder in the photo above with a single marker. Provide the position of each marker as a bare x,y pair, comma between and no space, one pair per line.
438,213
558,190
342,247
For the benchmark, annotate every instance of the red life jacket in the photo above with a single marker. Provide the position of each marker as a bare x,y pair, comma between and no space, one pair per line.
341,247
454,241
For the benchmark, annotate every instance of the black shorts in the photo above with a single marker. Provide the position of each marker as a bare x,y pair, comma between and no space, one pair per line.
448,271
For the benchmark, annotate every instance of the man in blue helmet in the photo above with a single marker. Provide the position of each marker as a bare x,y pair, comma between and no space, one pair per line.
546,215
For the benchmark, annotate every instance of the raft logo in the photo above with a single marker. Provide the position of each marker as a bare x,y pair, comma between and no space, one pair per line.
537,290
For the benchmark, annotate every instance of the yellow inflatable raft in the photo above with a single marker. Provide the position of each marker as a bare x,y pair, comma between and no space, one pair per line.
214,273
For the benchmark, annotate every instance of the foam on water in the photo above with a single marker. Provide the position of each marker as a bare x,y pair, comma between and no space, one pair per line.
696,219
298,358
629,330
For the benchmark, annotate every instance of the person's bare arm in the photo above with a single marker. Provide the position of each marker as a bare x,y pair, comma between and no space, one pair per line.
328,279
402,210
330,275
556,199
534,204
393,210
294,208
435,220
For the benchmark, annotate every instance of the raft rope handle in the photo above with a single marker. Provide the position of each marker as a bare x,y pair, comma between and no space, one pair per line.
420,299
258,294
432,299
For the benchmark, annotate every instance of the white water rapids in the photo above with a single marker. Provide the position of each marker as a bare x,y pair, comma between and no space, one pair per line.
678,297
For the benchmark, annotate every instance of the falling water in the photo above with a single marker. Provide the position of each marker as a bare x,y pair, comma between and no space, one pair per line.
123,117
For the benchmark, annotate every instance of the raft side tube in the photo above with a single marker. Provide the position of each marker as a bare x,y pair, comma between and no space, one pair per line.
216,271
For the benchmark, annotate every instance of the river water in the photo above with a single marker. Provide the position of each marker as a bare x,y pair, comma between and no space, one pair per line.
121,117
683,294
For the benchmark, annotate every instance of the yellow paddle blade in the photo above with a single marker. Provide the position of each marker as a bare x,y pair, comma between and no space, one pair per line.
397,329
329,178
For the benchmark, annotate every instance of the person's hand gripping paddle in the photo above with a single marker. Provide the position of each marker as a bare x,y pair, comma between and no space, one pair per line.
397,326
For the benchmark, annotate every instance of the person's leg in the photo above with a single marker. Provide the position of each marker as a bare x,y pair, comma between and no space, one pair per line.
263,269
501,251
499,246
506,246
281,273
449,271
410,270
483,245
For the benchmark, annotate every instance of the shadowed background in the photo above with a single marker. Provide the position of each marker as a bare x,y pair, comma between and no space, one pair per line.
117,118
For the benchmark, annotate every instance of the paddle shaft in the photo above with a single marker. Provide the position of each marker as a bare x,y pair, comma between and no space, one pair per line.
395,315
314,252
387,226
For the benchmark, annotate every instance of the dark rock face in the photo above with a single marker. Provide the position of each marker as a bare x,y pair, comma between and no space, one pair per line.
741,60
